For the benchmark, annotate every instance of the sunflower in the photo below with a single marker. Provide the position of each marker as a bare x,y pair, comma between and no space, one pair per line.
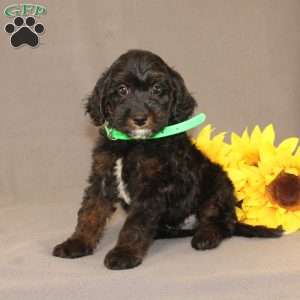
266,177
245,149
271,190
213,147
244,157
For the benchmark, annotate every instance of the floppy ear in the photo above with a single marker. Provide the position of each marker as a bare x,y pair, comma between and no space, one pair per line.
95,102
184,104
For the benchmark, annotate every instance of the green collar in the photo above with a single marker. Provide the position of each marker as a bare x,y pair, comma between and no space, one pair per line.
114,134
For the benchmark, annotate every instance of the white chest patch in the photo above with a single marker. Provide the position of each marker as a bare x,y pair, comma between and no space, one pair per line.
120,183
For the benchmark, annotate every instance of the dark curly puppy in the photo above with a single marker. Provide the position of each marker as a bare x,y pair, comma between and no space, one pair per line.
168,187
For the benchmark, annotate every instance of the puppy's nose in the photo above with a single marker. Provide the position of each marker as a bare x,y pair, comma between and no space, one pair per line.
140,120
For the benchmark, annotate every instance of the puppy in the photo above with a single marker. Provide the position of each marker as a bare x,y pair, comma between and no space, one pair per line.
168,187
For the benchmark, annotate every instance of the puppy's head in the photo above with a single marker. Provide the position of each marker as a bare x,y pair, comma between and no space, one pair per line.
139,95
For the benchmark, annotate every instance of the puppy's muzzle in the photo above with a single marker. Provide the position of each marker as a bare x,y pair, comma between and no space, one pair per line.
140,124
140,120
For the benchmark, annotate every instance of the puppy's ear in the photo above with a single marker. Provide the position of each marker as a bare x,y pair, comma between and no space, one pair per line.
95,102
184,104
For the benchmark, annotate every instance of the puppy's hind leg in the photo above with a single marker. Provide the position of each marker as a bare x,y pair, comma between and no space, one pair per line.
216,222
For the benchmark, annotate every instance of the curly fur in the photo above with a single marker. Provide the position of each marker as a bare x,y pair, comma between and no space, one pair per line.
167,182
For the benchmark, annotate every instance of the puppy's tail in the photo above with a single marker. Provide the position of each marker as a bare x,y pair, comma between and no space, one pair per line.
250,231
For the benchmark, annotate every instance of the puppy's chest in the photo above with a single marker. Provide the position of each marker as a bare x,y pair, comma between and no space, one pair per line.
188,222
129,173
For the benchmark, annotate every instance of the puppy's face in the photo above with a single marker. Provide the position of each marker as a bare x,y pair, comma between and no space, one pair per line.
139,95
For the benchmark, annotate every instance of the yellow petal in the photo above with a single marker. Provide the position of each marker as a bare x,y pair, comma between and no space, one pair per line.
291,223
219,138
253,222
269,134
292,171
262,216
204,134
235,139
236,174
255,135
245,136
289,145
268,217
256,201
267,156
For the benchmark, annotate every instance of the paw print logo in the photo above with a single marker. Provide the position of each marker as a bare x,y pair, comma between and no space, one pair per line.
24,31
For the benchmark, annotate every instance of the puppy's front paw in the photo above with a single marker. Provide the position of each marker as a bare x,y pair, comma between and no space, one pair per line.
72,248
208,239
121,258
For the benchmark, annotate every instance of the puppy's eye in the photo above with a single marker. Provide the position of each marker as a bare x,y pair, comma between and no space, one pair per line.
123,90
156,89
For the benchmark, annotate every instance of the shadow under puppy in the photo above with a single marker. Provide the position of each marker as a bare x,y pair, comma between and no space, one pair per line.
168,187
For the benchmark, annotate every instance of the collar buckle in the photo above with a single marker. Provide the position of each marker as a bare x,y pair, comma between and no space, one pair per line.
109,131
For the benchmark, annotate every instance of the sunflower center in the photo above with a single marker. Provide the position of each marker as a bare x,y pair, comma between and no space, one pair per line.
285,191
